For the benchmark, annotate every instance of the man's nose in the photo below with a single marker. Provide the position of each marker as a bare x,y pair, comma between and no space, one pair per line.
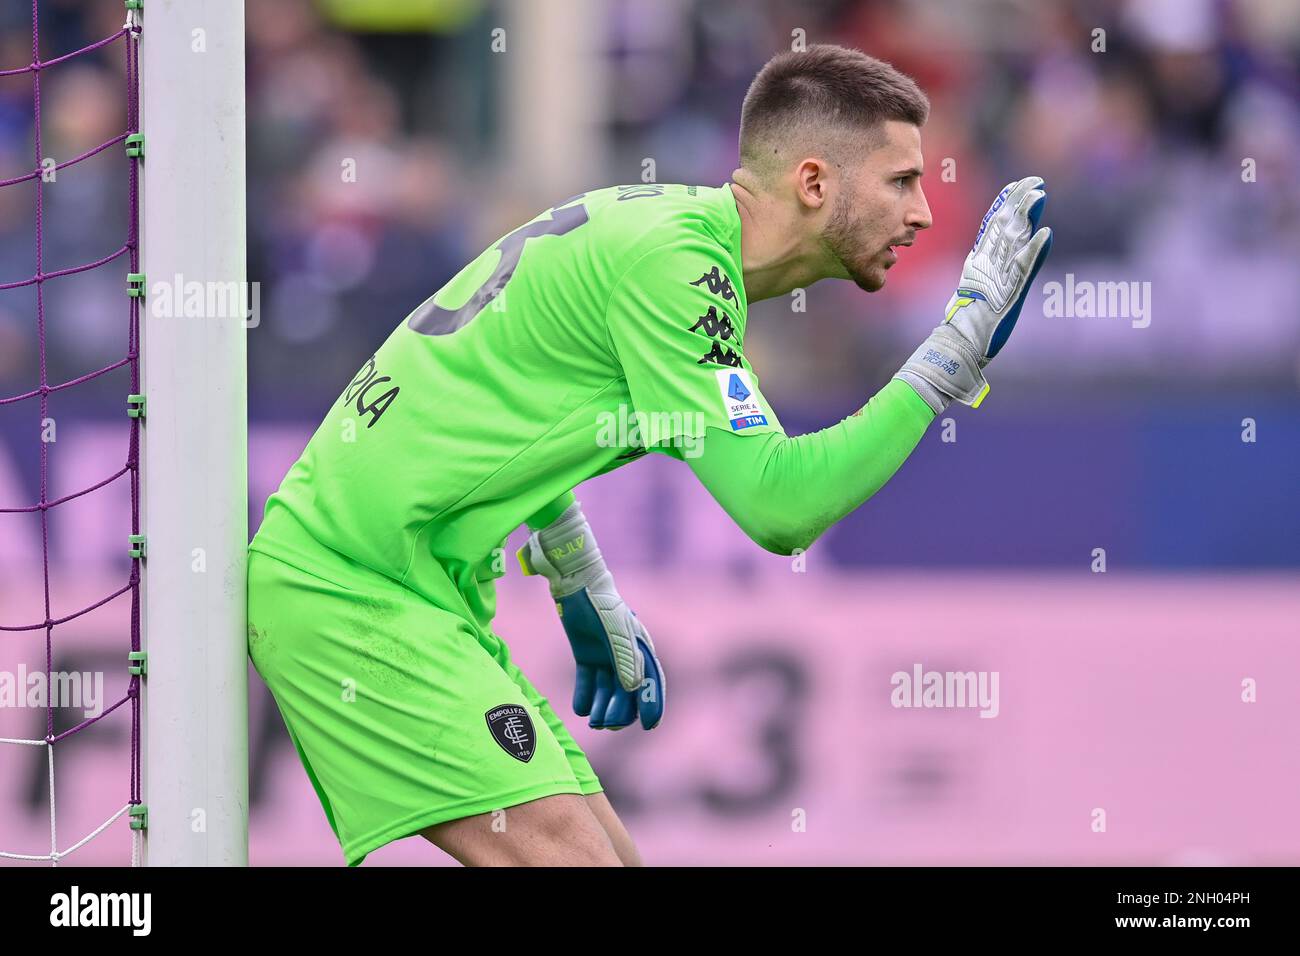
918,217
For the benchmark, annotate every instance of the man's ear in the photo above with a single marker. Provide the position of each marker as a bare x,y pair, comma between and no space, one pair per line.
811,182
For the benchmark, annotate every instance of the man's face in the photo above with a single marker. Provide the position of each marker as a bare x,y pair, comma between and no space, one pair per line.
879,205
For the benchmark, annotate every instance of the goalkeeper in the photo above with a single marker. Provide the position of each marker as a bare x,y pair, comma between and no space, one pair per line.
371,579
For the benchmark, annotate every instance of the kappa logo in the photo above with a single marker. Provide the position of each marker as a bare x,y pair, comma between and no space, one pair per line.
512,728
718,284
711,324
720,356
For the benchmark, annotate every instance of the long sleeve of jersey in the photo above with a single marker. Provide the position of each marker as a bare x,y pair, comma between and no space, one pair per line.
677,323
551,511
785,491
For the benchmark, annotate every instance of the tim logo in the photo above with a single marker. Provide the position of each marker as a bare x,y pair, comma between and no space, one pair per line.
363,392
512,728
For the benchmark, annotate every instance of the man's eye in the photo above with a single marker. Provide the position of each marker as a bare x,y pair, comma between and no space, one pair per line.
900,182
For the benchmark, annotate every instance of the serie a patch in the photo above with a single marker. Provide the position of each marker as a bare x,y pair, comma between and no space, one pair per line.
743,409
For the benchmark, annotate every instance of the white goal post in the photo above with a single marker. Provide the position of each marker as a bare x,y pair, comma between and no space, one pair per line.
194,437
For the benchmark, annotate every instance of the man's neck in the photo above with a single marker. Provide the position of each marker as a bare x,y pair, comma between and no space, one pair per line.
775,255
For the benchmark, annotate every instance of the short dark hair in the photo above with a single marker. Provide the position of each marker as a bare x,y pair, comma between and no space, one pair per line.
805,97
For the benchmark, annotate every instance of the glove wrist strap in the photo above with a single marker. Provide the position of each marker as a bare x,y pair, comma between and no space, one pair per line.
946,364
570,548
936,399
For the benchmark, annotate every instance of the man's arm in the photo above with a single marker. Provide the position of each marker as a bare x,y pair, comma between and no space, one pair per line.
785,491
550,512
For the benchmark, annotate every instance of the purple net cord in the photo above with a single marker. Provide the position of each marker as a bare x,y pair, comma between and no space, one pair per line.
130,34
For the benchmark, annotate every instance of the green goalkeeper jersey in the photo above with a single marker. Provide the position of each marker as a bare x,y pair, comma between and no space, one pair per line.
609,325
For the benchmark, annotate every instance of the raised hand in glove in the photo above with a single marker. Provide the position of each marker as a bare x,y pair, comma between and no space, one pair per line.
1009,250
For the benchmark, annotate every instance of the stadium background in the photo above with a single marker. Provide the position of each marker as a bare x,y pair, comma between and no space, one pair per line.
1120,691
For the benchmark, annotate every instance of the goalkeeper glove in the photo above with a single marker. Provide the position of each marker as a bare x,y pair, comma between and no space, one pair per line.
1008,252
619,677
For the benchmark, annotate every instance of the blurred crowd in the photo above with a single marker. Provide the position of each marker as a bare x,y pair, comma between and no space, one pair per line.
1141,132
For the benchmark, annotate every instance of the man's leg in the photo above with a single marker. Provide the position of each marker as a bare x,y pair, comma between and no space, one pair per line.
559,830
614,829
596,800
402,719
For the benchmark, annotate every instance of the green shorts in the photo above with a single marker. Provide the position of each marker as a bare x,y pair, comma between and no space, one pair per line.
403,714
